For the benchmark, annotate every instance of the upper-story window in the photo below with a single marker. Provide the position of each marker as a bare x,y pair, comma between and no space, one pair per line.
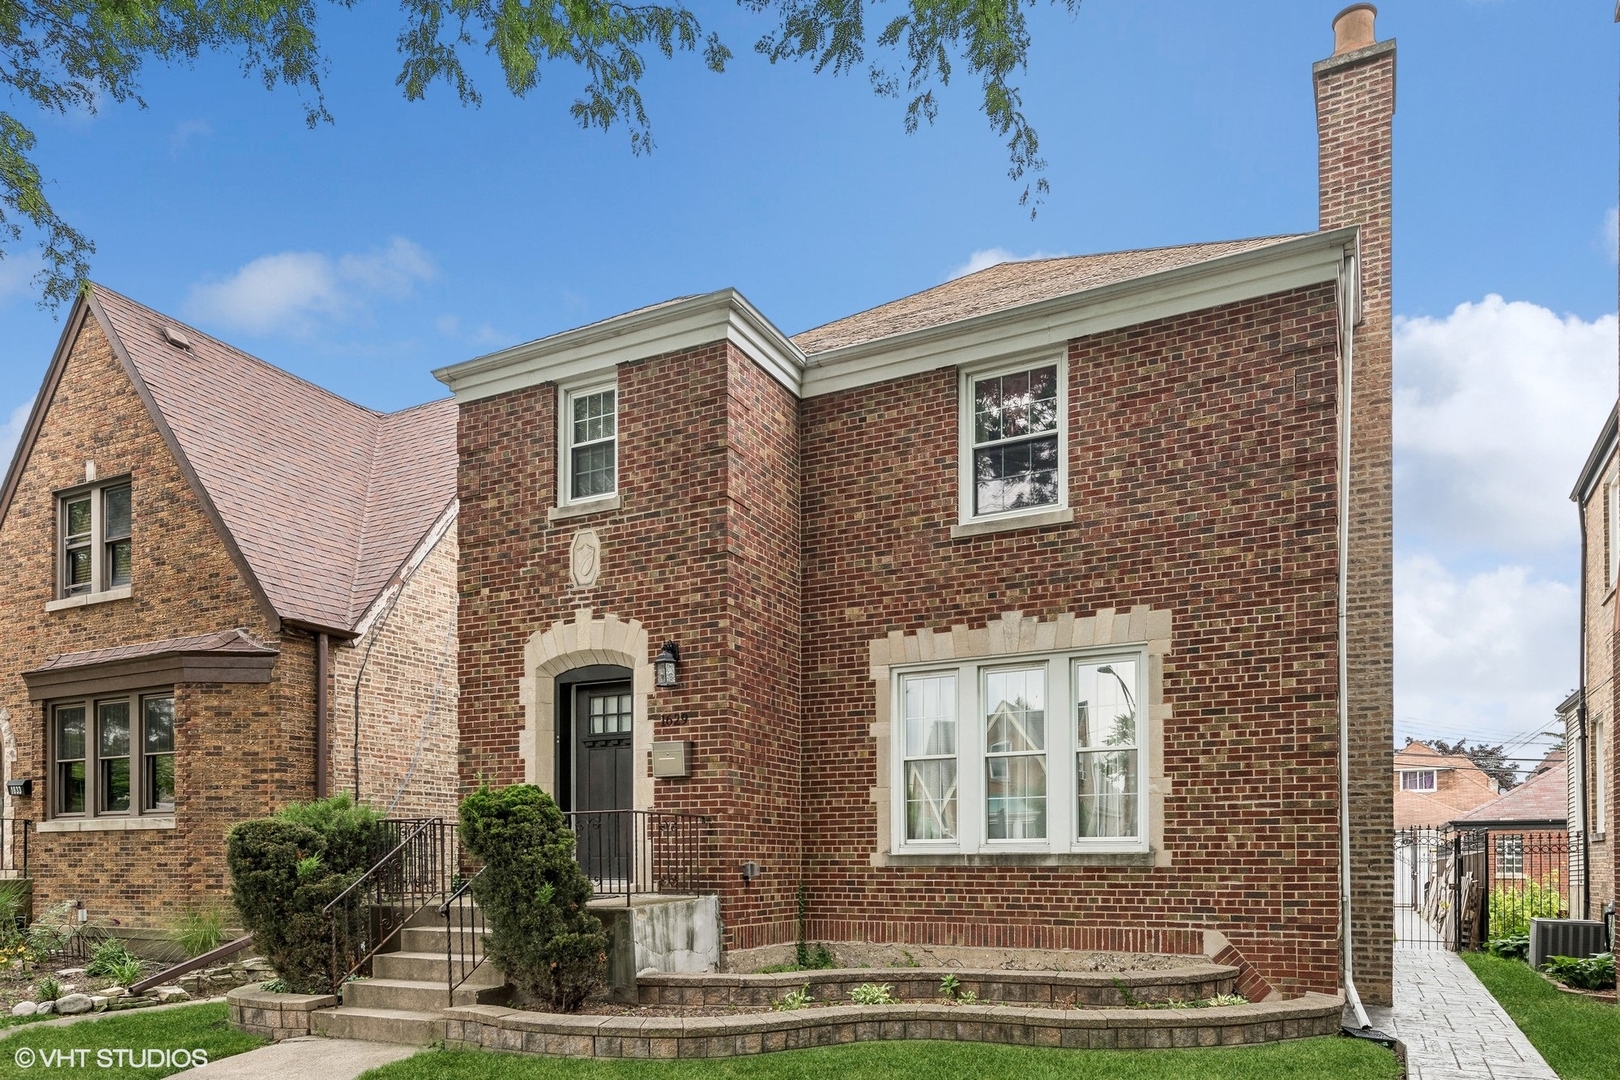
1030,754
1013,441
1418,780
590,443
96,549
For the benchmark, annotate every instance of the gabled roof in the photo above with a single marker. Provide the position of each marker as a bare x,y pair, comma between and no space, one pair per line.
1013,284
320,500
1539,800
1417,755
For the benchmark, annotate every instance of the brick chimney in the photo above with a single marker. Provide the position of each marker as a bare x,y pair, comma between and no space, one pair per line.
1355,109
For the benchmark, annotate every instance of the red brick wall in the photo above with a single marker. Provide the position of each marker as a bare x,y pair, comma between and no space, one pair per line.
1355,106
241,751
1202,473
701,552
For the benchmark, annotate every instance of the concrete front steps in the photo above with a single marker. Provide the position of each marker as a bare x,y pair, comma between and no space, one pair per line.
403,1001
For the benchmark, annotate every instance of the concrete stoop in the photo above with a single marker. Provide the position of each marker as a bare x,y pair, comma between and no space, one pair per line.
403,1001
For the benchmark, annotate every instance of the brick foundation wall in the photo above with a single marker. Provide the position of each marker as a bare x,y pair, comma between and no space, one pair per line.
241,750
1355,108
408,694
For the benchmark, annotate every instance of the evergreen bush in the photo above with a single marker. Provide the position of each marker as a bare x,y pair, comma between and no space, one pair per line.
286,869
533,895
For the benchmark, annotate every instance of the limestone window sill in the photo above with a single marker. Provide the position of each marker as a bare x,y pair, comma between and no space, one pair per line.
1023,858
104,824
1010,524
579,510
123,592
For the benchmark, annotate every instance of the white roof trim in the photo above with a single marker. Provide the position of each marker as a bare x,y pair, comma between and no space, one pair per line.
725,315
1026,329
1287,264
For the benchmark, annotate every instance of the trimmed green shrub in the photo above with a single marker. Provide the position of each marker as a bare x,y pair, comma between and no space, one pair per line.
533,895
286,869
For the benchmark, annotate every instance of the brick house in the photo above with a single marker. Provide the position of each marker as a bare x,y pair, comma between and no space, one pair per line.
1432,788
1526,828
1589,713
208,570
1024,612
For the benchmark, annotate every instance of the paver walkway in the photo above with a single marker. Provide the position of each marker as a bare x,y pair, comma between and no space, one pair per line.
309,1058
1452,1026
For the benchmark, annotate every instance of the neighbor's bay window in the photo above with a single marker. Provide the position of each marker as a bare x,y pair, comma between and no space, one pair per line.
113,756
1052,760
96,550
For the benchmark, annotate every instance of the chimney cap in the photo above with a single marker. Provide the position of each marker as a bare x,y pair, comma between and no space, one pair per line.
1353,28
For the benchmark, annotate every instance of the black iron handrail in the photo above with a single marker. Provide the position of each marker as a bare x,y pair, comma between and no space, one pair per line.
463,936
372,911
632,852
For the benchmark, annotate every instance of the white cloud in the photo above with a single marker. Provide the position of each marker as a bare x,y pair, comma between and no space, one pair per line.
1496,407
1611,233
186,130
10,432
1488,655
293,291
450,326
983,260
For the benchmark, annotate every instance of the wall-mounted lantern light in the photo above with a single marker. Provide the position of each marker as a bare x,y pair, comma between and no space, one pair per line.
665,663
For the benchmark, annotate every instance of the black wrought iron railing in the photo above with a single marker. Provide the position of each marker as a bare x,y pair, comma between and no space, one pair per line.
404,880
631,852
463,936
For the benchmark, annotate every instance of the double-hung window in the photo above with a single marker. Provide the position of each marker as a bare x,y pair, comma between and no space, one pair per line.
113,756
589,444
95,552
1013,441
1041,753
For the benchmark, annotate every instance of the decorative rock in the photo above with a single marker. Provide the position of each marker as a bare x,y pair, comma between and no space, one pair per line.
66,973
73,1004
46,1007
114,992
24,1008
167,994
98,1002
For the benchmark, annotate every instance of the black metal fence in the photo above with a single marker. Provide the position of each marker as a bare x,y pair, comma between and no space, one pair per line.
1459,888
627,852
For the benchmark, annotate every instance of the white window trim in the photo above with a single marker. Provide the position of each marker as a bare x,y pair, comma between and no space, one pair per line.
1601,779
1612,533
101,587
1435,786
1061,808
964,438
566,393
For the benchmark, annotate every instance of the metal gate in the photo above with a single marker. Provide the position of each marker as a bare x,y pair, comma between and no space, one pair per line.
1458,888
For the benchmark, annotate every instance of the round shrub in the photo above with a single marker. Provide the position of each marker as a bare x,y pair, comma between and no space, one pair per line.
533,895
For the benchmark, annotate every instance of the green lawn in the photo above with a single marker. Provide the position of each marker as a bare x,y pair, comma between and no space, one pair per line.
1579,1038
1330,1058
36,1051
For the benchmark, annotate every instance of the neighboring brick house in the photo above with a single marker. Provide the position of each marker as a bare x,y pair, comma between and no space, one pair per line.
1432,788
1525,828
189,539
1589,713
1103,489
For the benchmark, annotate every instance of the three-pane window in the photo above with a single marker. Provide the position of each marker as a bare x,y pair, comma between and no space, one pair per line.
96,550
113,756
590,443
1003,784
1418,780
1015,440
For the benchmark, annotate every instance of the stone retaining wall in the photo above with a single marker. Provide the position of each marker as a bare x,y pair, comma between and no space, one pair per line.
1081,988
275,1016
492,1027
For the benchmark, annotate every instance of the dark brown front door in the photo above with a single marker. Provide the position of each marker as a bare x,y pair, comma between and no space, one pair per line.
602,777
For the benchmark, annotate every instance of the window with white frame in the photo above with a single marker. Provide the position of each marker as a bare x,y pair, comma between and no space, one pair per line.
1040,753
113,756
589,443
1510,856
1611,530
95,549
1013,433
1418,780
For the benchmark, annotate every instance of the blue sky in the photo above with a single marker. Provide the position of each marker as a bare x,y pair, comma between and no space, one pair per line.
405,236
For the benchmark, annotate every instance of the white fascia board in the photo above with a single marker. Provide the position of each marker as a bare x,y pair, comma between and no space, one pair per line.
1031,328
724,315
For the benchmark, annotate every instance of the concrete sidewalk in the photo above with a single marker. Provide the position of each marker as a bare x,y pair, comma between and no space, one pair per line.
302,1059
1452,1026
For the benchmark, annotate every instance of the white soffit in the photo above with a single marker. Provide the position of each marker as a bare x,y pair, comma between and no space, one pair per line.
726,315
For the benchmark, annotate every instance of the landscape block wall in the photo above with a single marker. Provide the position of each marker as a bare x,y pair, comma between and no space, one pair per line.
1203,480
241,750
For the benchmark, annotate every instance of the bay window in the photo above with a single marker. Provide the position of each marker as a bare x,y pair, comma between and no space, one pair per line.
113,756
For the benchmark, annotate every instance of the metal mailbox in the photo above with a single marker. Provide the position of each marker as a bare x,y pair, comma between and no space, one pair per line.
671,759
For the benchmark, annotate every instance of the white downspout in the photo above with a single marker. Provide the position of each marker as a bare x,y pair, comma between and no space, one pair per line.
1349,303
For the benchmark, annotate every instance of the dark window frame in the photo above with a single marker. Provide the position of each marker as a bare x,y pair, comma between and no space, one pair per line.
143,765
100,543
